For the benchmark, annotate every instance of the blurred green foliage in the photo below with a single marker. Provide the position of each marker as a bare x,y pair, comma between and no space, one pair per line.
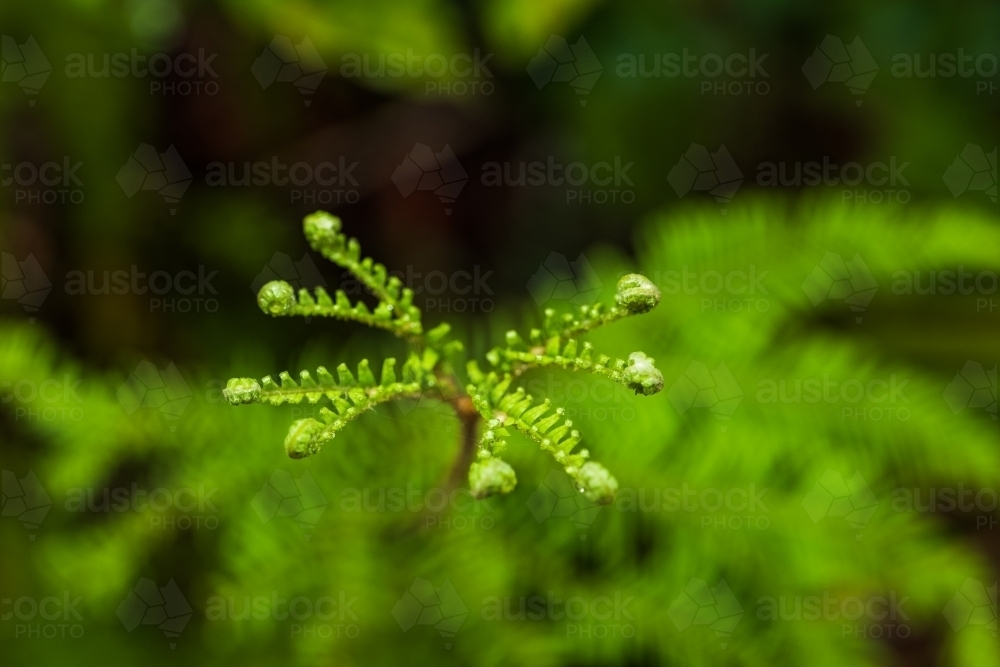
359,548
231,545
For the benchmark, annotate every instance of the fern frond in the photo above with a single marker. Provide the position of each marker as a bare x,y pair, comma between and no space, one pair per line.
240,391
350,395
307,436
502,408
548,428
322,230
429,367
277,298
638,373
634,295
556,345
490,476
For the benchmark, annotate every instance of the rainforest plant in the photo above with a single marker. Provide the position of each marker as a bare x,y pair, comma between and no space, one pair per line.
489,404
359,544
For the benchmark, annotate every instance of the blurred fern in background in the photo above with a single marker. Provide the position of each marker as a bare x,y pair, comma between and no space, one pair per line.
687,568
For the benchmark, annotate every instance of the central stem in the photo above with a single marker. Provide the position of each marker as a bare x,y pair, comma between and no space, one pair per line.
451,391
468,418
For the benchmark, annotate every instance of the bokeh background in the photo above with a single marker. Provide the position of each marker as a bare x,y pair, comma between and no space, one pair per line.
145,520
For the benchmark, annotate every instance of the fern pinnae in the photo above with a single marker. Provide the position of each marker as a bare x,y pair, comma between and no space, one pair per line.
389,372
247,390
279,299
638,373
634,295
322,230
491,397
307,436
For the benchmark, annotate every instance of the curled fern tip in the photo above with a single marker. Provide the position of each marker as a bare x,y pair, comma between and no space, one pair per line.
641,375
595,482
276,298
302,439
490,476
239,391
637,294
320,227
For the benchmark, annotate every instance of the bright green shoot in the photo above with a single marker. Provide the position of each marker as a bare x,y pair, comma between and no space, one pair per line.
489,404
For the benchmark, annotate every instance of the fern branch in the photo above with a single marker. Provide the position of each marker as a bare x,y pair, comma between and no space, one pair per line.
277,298
634,295
638,373
307,436
240,391
429,367
350,395
548,428
322,230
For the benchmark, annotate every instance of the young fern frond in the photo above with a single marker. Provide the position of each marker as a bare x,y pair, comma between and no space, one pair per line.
350,395
489,398
634,295
548,428
322,230
307,436
638,373
556,346
239,391
277,298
